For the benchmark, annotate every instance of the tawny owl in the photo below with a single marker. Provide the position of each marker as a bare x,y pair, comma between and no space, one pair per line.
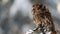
43,18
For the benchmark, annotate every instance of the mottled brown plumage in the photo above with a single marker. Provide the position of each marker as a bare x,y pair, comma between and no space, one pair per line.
43,18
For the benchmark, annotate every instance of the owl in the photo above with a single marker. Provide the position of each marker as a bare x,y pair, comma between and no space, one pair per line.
42,18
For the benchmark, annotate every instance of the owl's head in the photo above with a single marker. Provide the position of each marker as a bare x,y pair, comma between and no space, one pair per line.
39,10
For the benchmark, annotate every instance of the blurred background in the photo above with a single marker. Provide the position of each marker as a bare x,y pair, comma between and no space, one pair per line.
16,15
